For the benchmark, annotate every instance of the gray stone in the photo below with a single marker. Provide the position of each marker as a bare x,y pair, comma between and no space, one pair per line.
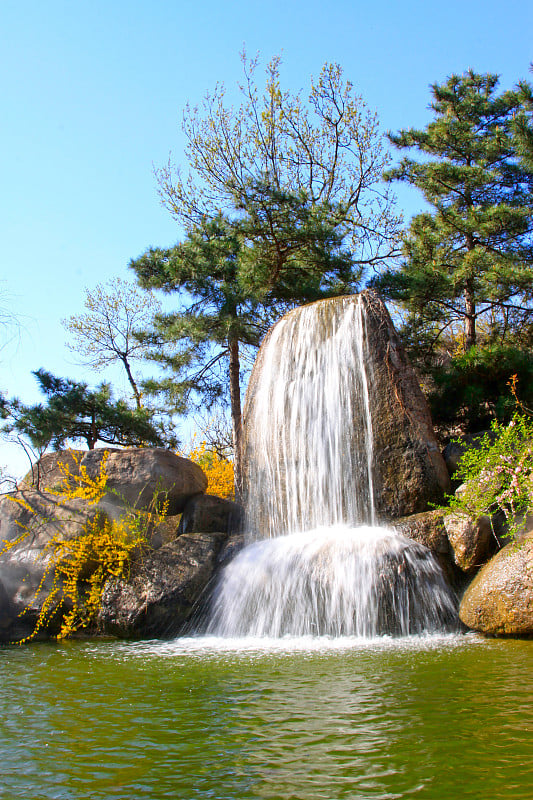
209,514
499,600
134,474
164,588
29,522
427,528
410,472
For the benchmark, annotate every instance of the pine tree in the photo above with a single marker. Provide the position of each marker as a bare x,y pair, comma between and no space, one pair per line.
470,257
234,281
73,412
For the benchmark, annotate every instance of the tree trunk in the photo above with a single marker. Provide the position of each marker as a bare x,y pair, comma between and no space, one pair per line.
470,317
470,303
236,415
136,392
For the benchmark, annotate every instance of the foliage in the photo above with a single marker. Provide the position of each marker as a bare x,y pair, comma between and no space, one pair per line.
105,333
472,388
523,127
283,205
218,470
498,474
471,255
73,412
274,150
103,550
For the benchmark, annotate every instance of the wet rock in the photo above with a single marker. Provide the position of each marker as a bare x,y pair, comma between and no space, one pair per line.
209,514
409,469
472,541
164,588
428,528
500,598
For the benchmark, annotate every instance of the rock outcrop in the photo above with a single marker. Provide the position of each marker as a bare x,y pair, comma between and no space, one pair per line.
29,522
472,540
428,528
499,600
31,519
163,589
318,372
134,475
409,469
208,514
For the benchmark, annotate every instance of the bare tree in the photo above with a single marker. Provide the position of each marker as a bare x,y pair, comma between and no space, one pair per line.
105,334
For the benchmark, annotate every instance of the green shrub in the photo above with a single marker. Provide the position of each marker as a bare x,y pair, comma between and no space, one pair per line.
473,389
498,474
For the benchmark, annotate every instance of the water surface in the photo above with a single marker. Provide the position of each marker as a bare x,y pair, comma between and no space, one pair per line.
436,717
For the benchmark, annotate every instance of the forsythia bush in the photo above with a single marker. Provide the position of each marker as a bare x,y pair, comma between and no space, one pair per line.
80,567
219,471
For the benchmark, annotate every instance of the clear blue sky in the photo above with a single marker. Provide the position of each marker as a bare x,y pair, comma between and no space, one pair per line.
92,99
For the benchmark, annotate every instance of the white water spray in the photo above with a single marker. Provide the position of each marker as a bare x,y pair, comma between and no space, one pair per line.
309,431
319,565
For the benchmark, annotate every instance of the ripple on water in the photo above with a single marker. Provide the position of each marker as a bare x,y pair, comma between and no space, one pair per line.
313,718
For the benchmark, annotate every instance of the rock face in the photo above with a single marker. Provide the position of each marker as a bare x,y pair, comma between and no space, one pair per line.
472,540
163,589
409,469
134,474
323,375
500,598
428,528
30,519
209,514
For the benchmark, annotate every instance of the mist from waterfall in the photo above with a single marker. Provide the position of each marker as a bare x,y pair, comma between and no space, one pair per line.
317,562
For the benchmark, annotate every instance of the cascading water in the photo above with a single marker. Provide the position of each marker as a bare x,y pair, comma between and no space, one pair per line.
317,563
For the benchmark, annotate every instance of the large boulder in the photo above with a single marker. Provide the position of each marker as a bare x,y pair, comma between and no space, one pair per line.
31,519
332,398
472,540
164,588
409,469
499,600
428,528
29,523
134,475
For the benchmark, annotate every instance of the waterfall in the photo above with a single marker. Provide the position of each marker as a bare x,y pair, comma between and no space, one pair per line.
317,562
309,431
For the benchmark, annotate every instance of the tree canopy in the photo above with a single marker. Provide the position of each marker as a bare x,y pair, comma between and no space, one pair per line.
200,341
105,333
73,412
327,152
283,204
470,256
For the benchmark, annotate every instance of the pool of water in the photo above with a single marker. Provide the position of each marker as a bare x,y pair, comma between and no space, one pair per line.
436,717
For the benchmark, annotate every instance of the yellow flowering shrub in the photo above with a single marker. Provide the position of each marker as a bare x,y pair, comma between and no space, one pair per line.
219,471
81,566
80,484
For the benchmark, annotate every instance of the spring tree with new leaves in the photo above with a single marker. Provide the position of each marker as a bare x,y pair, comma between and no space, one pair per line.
105,333
282,205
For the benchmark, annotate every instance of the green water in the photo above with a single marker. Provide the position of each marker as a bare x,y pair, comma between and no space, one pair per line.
448,717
